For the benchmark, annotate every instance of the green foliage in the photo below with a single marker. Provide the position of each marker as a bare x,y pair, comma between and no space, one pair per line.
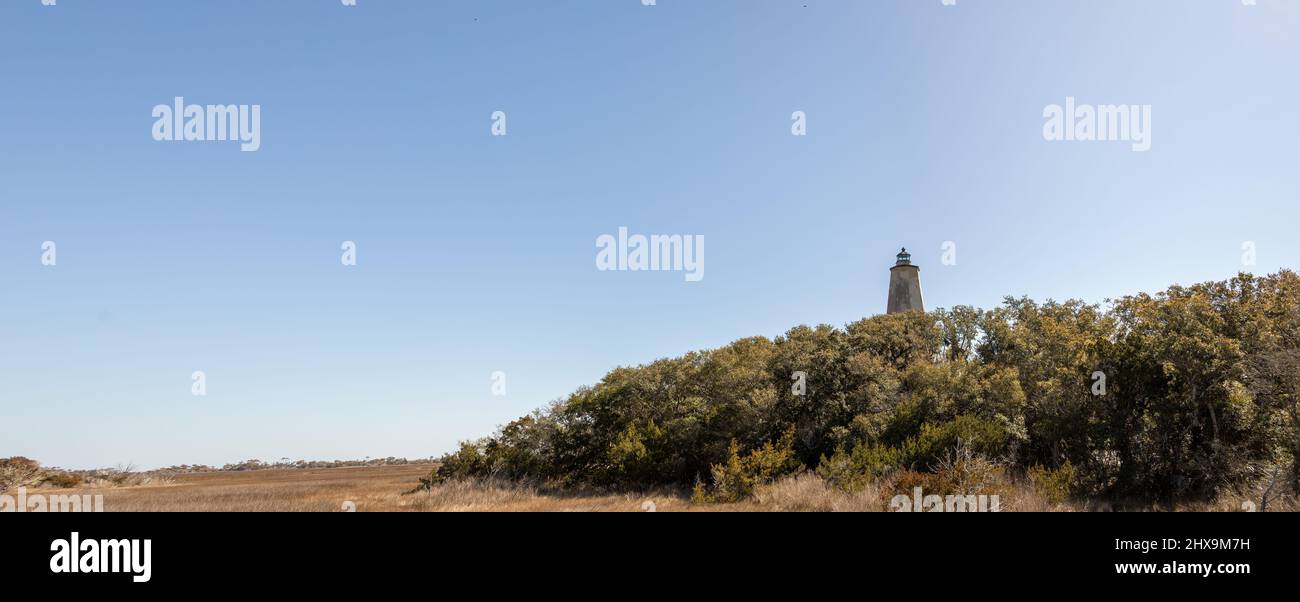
1053,485
737,477
634,455
853,471
1202,387
985,438
465,463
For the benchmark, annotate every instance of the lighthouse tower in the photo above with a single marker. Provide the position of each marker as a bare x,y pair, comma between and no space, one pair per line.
904,285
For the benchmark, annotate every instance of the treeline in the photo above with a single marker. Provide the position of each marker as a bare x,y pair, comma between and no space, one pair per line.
285,463
1174,397
19,471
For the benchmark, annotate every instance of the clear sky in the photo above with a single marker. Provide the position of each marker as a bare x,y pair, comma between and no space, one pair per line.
476,253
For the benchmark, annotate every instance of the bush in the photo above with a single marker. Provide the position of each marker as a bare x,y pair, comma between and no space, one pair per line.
959,473
981,437
852,472
904,482
1054,486
466,463
631,461
737,478
18,472
63,480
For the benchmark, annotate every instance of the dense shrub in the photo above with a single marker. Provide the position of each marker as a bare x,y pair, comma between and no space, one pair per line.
1201,388
737,477
852,472
18,472
983,437
63,480
1053,485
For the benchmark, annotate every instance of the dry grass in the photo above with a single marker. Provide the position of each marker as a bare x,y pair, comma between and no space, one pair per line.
289,490
370,488
803,493
481,496
384,489
810,493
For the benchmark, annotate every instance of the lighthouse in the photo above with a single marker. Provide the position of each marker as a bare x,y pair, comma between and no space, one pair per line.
904,285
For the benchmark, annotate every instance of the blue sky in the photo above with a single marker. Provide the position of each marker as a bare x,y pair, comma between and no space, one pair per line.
476,253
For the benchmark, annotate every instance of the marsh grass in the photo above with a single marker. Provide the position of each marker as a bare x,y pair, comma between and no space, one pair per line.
390,489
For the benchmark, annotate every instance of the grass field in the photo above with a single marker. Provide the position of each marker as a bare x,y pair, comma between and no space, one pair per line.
388,489
371,489
385,489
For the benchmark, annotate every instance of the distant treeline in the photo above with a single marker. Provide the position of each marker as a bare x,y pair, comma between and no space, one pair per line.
18,471
1167,398
285,463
